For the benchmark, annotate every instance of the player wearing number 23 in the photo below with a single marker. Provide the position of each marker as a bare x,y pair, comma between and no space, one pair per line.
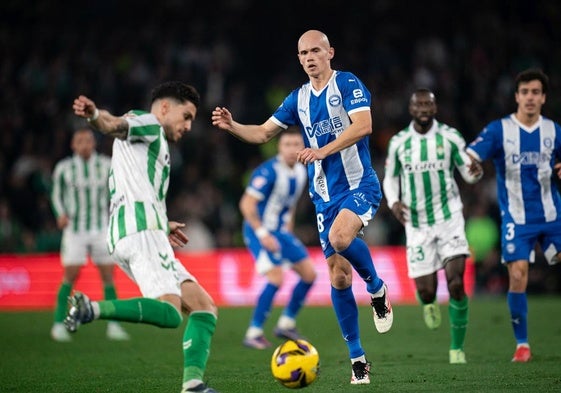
423,195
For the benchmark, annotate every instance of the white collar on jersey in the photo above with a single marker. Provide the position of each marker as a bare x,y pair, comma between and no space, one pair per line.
430,133
530,129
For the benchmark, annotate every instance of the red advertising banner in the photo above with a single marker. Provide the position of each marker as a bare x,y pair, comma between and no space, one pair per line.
32,281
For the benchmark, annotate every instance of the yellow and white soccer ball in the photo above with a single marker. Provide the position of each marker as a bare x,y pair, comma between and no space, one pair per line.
295,364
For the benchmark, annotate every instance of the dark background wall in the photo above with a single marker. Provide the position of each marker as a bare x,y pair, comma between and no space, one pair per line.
242,54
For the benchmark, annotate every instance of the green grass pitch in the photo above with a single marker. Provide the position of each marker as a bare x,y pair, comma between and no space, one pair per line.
409,358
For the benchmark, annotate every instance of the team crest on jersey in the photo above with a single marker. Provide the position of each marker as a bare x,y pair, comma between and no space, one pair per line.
334,100
258,182
407,155
510,248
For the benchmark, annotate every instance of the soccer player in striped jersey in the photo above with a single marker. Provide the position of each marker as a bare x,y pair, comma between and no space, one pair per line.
526,149
421,191
333,113
268,205
80,203
140,236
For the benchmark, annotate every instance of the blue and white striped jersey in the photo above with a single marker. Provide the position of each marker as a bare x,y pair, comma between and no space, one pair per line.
323,116
278,188
523,159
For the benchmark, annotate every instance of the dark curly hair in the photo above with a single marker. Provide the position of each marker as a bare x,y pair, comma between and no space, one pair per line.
531,75
179,91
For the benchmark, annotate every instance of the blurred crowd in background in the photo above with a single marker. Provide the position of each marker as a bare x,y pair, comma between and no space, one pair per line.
242,54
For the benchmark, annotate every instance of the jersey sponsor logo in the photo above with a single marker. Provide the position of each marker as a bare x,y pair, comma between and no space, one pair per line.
358,101
332,125
321,186
358,95
425,166
334,100
531,158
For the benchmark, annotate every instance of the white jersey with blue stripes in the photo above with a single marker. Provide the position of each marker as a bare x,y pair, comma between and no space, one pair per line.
523,158
277,187
322,116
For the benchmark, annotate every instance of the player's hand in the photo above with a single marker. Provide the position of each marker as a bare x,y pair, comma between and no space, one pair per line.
557,167
176,237
222,118
84,107
62,221
270,243
475,168
309,155
399,210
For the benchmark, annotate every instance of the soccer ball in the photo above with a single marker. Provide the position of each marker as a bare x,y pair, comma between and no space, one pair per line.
295,364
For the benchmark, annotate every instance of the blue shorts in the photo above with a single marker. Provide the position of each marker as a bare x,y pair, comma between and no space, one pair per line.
364,202
518,241
291,250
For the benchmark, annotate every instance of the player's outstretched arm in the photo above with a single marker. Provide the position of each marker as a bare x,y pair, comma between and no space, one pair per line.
251,133
101,119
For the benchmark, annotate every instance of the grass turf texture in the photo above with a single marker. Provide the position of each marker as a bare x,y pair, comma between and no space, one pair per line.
410,358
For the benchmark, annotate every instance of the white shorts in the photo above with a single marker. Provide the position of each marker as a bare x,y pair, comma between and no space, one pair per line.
75,248
430,248
149,260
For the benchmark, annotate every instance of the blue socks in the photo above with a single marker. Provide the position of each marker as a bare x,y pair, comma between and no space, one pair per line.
264,304
518,306
299,294
346,310
358,255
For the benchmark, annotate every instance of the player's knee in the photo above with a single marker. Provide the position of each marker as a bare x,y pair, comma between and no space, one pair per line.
340,279
426,295
456,288
309,277
517,276
338,241
275,276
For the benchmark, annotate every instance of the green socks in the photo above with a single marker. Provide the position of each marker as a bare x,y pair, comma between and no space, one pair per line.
196,344
141,310
196,339
458,311
109,292
62,301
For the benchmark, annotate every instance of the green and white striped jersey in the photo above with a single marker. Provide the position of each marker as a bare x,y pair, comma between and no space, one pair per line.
419,171
139,179
80,191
